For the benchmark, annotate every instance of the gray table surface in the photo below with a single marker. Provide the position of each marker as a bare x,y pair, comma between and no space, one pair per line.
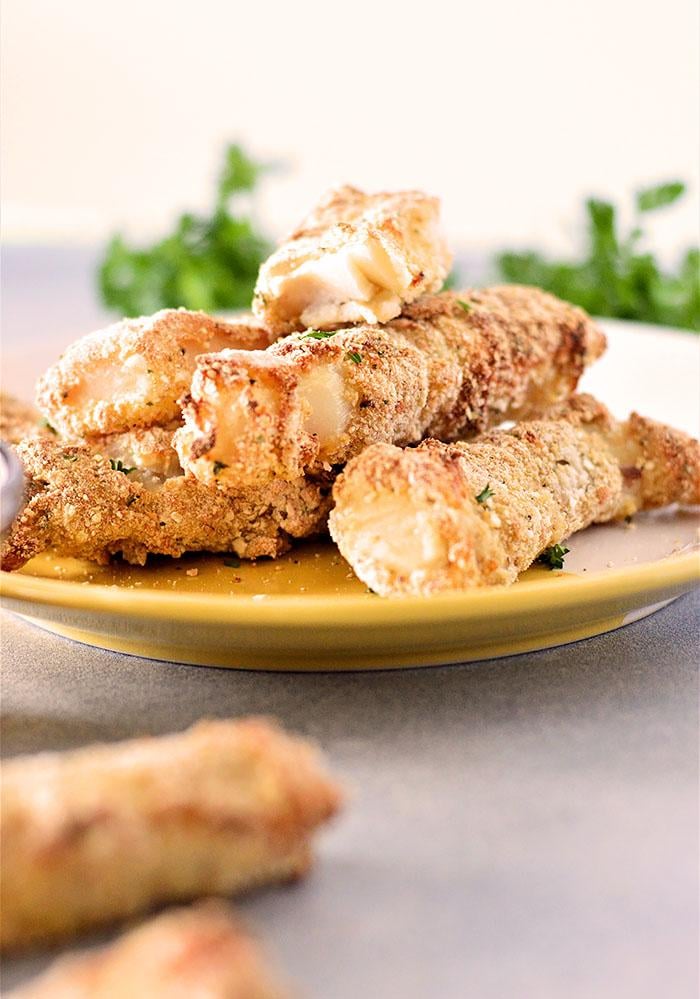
521,827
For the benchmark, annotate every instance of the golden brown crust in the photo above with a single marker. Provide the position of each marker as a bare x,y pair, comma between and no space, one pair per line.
388,248
81,506
199,951
133,373
453,365
450,516
19,420
105,832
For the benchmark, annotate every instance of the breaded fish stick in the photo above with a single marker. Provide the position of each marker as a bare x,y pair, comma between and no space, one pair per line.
86,506
451,366
109,831
357,258
451,516
132,373
201,951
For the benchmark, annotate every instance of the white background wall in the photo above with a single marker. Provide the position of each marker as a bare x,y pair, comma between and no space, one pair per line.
114,114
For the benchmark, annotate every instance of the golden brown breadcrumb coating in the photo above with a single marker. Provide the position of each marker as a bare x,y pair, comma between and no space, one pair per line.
356,258
19,420
450,516
80,504
109,831
200,951
453,365
133,373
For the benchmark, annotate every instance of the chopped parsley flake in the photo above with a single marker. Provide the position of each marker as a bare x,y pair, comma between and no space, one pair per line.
317,334
553,557
233,562
219,466
485,494
354,356
466,306
70,457
117,465
47,426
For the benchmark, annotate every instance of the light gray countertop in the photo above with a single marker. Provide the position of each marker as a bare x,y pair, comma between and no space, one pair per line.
521,827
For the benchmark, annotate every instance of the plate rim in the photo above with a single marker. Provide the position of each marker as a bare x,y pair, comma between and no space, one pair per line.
354,610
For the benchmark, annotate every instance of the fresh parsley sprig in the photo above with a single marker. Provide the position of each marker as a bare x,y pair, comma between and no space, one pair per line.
615,275
206,262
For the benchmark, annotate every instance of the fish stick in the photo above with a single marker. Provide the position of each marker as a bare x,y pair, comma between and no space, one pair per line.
198,951
110,831
85,505
133,373
452,366
451,516
357,258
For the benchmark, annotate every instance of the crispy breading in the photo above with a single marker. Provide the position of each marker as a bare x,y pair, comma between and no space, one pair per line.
19,420
356,258
133,373
451,516
148,451
109,831
82,506
453,365
198,951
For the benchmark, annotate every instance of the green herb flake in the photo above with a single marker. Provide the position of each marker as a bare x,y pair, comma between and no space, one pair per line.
233,562
70,457
485,494
553,557
354,356
47,426
117,465
219,466
317,334
466,306
131,500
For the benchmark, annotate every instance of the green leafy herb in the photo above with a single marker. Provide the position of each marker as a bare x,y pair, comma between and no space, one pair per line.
206,262
553,557
615,275
485,494
233,562
47,426
464,305
70,457
354,356
219,466
118,465
317,334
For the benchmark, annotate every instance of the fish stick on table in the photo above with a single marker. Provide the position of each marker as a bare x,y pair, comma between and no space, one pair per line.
83,504
357,258
451,516
133,373
452,366
109,831
181,954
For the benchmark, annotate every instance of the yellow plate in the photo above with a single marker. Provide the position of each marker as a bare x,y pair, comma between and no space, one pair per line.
308,612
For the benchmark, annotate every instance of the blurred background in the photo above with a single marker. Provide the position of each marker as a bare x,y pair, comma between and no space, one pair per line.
116,118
